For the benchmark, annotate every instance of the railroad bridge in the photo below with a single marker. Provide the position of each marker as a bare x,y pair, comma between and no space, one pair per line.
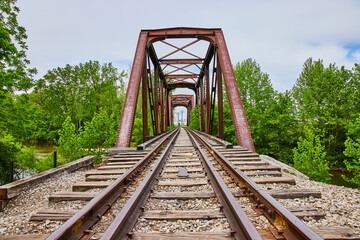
180,183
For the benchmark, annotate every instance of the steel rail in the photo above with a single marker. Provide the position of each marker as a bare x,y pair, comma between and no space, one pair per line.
144,145
126,219
242,227
77,226
218,140
287,225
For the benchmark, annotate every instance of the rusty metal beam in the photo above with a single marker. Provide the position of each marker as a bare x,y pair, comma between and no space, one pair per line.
145,102
181,32
171,86
242,131
181,76
220,101
181,61
156,99
123,138
207,100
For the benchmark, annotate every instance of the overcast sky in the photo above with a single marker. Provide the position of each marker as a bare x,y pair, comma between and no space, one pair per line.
279,35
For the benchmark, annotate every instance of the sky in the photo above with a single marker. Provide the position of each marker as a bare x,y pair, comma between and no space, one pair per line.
279,34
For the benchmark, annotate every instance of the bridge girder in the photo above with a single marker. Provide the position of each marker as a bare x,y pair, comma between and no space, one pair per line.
148,71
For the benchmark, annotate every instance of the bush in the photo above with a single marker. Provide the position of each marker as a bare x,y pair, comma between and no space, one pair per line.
353,165
24,158
69,143
309,157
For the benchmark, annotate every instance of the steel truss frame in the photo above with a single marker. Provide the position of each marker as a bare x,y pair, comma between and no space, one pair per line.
186,101
157,85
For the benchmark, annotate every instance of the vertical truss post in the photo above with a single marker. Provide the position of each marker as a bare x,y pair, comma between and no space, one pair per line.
207,102
201,118
220,101
213,93
156,100
162,121
198,104
188,115
144,101
171,113
242,131
167,110
123,138
151,96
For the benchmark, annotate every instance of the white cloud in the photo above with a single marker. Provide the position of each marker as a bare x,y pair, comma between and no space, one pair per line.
280,35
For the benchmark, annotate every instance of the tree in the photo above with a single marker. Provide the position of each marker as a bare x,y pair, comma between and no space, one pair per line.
324,102
14,74
309,157
352,151
78,92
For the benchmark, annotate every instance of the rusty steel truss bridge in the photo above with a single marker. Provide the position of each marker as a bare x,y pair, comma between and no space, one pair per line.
159,75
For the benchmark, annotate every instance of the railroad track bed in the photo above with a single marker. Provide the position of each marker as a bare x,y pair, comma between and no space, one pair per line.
332,211
182,202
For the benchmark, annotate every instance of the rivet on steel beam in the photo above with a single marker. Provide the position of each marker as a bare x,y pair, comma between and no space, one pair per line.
99,216
129,234
281,231
232,232
261,206
258,200
270,212
256,205
221,207
142,208
251,194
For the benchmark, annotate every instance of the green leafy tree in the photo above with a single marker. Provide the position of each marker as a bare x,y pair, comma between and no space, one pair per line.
14,74
194,116
310,157
324,101
352,151
79,92
69,144
10,150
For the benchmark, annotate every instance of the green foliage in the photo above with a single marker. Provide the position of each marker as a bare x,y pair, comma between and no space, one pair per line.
326,100
352,150
10,150
69,144
79,92
14,74
97,135
270,114
194,119
309,157
137,134
21,117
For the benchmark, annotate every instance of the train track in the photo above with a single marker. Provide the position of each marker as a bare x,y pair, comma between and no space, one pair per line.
184,185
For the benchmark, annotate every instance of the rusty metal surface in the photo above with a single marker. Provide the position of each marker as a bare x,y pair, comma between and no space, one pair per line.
241,125
220,101
127,217
241,226
127,117
287,224
180,76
